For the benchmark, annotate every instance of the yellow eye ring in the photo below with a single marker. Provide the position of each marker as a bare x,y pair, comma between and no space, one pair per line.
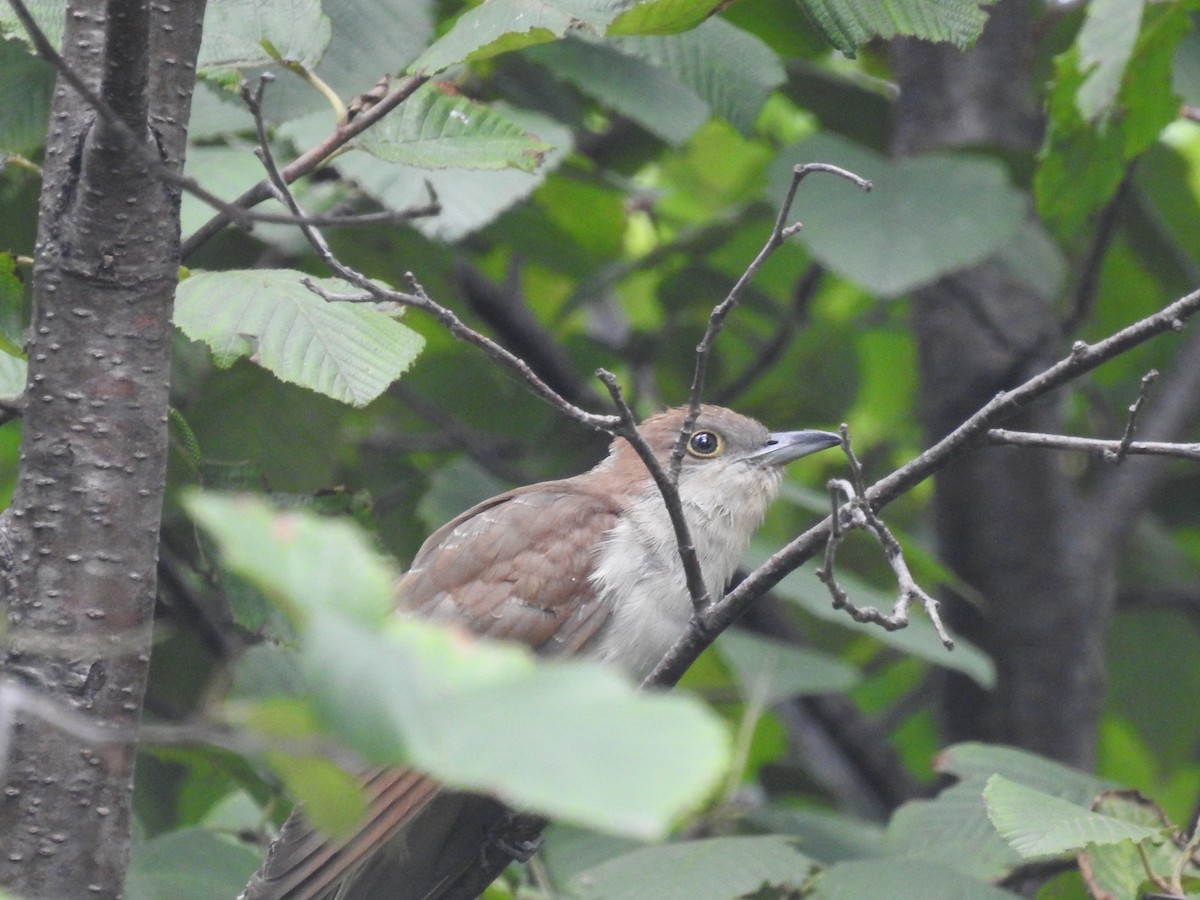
705,444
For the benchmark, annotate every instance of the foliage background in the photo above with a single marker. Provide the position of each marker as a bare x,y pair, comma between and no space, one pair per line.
653,166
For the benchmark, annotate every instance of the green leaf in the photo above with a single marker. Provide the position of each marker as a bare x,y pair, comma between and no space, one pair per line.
731,70
954,830
24,113
189,864
1083,161
710,869
573,740
1106,42
665,16
906,879
498,26
306,564
848,24
348,351
634,87
50,16
927,215
469,198
1120,869
771,670
239,33
13,308
13,374
333,799
1037,824
433,131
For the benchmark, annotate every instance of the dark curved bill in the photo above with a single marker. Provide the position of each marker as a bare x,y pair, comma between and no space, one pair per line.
784,446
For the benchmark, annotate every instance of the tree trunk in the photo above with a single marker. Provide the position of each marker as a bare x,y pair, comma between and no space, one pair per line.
83,526
1008,521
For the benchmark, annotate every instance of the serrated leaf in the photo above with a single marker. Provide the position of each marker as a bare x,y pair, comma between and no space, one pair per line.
926,216
431,130
1037,824
634,87
305,563
906,879
954,830
711,869
848,24
238,33
348,351
1119,870
469,199
498,26
730,69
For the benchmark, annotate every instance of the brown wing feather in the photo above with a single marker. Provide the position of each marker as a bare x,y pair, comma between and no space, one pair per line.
502,570
304,864
516,567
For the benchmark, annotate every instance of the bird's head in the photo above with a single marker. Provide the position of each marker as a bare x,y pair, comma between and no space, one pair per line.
725,453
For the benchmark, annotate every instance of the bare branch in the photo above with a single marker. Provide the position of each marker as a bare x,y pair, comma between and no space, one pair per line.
1082,358
238,212
1131,425
306,163
669,488
416,297
780,232
1107,450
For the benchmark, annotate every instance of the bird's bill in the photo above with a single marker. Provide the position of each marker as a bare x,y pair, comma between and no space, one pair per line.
784,446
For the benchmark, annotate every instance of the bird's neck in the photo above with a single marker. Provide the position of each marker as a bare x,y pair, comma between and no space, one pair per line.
638,568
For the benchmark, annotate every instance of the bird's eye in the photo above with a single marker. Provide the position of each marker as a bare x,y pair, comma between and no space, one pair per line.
705,444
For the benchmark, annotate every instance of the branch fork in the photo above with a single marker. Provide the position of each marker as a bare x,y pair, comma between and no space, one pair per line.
857,514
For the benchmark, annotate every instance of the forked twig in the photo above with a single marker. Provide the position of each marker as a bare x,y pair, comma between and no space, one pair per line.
857,514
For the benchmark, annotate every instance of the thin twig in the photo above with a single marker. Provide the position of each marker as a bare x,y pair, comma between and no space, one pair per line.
669,489
1088,284
306,163
858,515
238,211
416,297
780,232
17,700
1104,448
1131,424
1083,358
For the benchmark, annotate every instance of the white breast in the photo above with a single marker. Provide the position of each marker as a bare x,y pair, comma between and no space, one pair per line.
638,568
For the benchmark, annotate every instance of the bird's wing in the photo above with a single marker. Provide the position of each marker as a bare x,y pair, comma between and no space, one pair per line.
516,567
304,864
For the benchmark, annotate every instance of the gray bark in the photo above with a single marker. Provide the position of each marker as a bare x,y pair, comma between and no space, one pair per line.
83,525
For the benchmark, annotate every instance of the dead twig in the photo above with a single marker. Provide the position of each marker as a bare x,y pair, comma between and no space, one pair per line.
857,514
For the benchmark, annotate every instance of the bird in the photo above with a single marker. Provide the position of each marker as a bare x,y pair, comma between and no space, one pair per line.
586,566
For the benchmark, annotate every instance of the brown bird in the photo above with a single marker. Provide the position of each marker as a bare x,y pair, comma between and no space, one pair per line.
588,565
